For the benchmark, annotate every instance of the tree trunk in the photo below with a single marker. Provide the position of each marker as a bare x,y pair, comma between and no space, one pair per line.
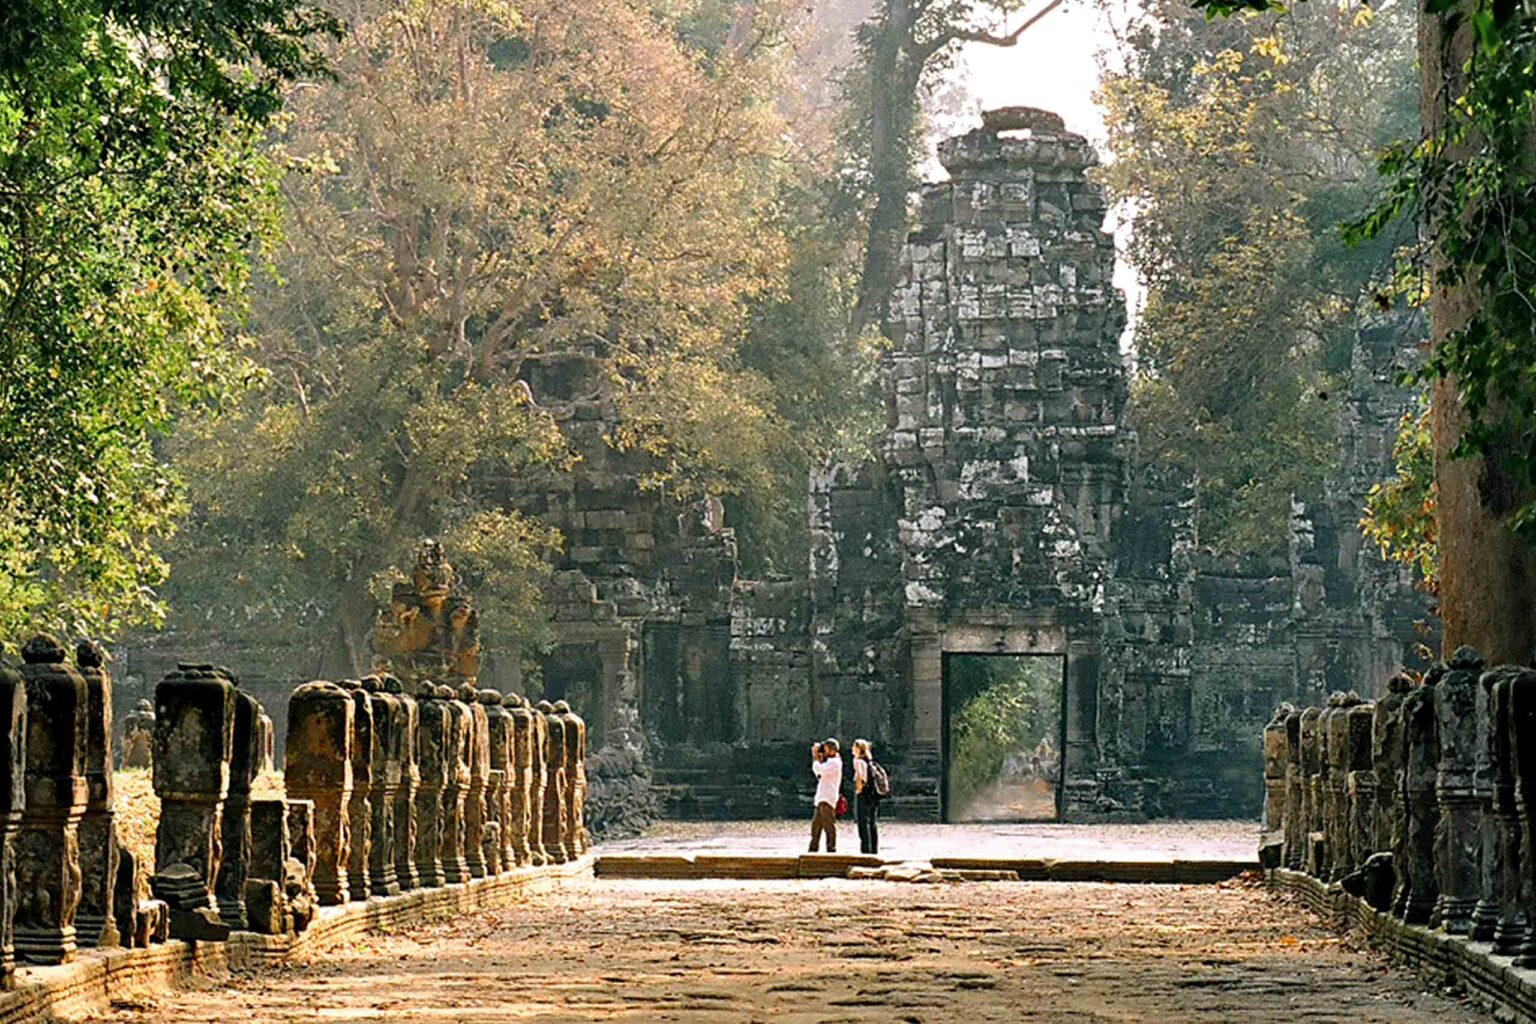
347,656
894,73
1487,574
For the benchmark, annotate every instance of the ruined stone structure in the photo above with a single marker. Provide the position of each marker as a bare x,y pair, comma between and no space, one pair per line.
1005,510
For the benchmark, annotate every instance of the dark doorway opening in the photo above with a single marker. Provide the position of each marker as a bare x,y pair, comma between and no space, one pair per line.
1004,734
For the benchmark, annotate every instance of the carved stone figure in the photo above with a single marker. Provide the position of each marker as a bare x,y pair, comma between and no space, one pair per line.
13,796
430,629
95,923
434,724
138,735
360,803
245,762
554,784
385,790
456,755
405,723
1420,770
520,786
478,755
317,766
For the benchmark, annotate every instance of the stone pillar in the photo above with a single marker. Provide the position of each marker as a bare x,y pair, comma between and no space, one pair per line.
48,844
1387,762
1458,833
538,736
1312,786
554,783
360,803
456,755
194,742
435,724
404,726
478,755
1295,802
1335,722
317,766
385,791
13,801
576,725
570,811
1485,916
498,796
520,786
95,923
1362,786
138,735
1509,933
1274,771
1522,740
1420,768
270,847
301,840
245,762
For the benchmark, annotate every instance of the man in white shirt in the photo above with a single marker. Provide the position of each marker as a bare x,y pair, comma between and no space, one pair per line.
827,766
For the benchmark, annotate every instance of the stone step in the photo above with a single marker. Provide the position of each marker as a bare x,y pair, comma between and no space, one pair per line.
759,866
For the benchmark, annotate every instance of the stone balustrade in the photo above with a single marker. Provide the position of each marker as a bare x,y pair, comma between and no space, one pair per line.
1422,802
386,792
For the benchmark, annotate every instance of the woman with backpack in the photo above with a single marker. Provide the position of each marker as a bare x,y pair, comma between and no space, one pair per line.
870,784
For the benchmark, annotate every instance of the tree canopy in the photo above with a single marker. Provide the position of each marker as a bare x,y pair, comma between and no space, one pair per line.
1242,147
131,193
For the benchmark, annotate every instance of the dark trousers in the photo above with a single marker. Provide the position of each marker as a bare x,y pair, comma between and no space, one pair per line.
824,822
866,811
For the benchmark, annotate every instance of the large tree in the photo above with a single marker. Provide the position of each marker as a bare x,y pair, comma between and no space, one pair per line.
907,45
131,193
481,189
1239,158
1468,175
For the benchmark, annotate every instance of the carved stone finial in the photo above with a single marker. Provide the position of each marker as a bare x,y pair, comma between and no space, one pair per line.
1467,659
43,649
90,654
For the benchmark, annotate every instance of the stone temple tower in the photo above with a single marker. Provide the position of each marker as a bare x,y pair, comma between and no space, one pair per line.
1004,390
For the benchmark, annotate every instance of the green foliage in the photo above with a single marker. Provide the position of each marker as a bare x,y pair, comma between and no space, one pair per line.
131,193
1006,705
1400,512
484,190
1241,148
1473,182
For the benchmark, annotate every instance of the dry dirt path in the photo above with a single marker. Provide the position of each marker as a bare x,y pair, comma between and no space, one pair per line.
843,951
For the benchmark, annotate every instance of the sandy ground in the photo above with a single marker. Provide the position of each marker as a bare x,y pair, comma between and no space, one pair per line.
1158,840
843,951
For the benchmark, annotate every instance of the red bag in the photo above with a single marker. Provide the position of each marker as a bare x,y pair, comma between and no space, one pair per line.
842,806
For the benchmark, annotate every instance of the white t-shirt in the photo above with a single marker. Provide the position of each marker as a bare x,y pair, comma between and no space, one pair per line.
829,779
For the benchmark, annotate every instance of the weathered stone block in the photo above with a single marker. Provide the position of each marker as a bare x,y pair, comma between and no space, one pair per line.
317,766
95,923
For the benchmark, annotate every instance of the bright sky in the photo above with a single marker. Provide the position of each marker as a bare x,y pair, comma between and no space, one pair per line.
1054,66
